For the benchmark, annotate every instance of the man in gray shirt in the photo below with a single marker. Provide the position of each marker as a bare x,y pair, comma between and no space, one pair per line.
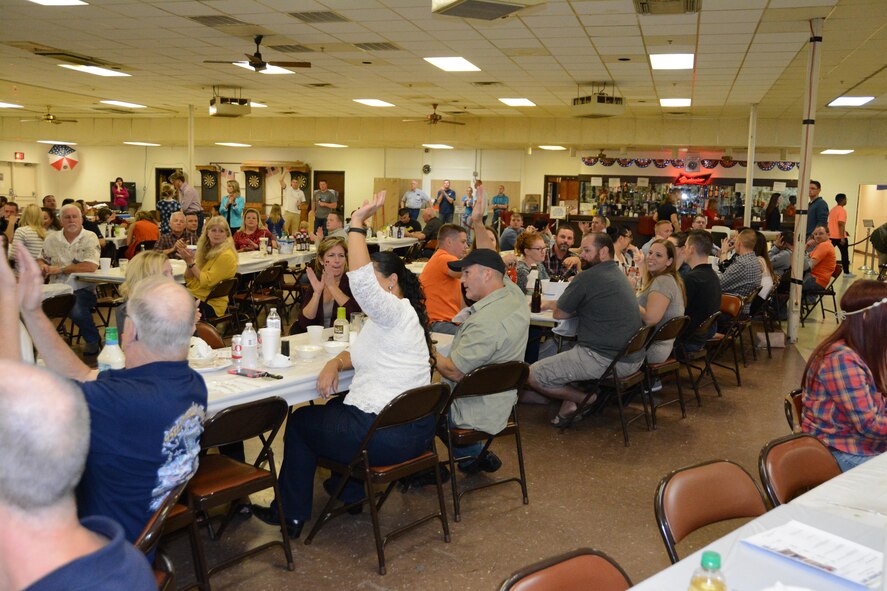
494,332
415,199
325,200
608,316
781,253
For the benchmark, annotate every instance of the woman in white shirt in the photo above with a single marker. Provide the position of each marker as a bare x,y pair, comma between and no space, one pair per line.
392,354
30,233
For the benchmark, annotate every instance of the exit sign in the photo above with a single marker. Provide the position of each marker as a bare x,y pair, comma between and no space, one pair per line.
19,155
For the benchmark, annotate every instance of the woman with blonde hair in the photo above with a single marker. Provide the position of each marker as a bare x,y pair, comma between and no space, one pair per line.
248,237
231,206
30,233
662,294
329,288
167,205
144,264
214,261
275,221
144,229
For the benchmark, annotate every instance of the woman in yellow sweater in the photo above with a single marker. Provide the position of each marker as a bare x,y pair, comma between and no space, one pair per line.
214,261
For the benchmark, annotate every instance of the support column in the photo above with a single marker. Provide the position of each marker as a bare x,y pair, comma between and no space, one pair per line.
189,171
807,128
750,159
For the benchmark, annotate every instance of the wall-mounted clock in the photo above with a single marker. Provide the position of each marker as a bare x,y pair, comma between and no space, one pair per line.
426,168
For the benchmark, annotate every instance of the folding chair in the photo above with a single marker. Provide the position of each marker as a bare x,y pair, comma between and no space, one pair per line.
731,308
220,480
484,381
687,357
210,335
263,292
668,331
225,289
819,294
792,465
793,405
703,494
148,540
107,298
57,309
620,384
579,570
410,406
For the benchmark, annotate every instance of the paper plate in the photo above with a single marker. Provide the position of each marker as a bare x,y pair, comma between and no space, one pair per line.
209,365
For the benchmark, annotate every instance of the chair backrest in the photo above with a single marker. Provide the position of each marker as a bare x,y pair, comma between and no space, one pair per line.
670,329
267,278
223,288
792,465
579,570
793,405
704,328
244,421
410,406
58,306
837,272
492,379
731,305
208,333
150,536
699,495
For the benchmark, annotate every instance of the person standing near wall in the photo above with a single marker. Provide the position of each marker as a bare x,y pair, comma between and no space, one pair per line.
837,230
188,198
293,197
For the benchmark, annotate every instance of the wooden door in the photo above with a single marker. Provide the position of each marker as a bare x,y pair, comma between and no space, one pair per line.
161,175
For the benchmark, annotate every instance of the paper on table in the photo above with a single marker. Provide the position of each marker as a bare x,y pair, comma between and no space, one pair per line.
822,551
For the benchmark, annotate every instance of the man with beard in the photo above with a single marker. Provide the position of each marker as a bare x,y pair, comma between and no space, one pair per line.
559,261
608,316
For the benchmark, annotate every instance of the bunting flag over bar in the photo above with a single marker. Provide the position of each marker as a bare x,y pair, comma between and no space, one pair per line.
706,163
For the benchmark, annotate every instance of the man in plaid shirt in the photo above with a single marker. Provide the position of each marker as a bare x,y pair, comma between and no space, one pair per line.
559,261
743,276
177,231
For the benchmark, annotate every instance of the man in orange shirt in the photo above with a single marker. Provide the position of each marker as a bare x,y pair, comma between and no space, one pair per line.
837,230
820,260
442,287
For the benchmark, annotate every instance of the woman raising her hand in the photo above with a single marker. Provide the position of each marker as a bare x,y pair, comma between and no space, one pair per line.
329,288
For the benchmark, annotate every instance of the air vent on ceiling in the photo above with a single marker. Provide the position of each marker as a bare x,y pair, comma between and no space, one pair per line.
319,16
216,20
487,83
481,9
377,46
292,48
655,7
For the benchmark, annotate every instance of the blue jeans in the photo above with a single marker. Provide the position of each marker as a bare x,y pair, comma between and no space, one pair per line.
335,430
465,451
444,327
847,461
81,315
446,218
319,223
414,213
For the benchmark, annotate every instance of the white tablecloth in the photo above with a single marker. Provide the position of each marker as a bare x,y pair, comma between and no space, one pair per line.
386,243
50,290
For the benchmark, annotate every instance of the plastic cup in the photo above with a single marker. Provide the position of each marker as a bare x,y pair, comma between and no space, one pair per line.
105,264
123,264
192,248
270,342
315,335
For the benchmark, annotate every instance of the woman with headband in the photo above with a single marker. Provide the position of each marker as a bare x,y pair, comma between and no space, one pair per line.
845,380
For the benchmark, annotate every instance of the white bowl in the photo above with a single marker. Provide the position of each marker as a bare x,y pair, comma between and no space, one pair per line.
335,347
307,351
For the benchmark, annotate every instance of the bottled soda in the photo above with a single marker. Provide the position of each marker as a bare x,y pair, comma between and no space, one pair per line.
237,351
536,299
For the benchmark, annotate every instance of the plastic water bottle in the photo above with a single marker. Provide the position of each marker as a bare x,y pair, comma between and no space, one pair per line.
708,577
112,356
250,343
341,326
273,319
237,351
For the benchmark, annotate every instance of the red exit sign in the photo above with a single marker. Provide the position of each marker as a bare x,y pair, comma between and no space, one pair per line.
19,155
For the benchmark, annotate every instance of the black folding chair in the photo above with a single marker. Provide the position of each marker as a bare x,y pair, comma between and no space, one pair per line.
669,330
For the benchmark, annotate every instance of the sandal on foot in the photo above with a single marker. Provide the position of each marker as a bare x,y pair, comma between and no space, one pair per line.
562,421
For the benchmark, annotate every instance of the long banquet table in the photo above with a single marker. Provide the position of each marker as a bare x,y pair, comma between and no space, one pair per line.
386,243
852,506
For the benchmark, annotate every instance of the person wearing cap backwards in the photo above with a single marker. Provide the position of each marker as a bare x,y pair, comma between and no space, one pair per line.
494,331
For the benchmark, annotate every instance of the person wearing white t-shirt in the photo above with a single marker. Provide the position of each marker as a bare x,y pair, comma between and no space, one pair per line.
293,197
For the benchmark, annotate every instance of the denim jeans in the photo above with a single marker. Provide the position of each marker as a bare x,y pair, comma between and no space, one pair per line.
81,315
446,218
414,213
847,461
320,223
335,430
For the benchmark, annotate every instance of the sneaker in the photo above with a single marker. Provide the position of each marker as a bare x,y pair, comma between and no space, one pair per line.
269,516
489,462
656,386
425,478
849,275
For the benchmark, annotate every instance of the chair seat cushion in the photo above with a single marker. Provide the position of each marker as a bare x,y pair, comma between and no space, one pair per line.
381,471
217,473
669,364
467,436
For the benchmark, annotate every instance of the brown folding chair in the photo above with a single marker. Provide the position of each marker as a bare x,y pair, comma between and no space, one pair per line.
792,465
413,405
818,295
263,292
671,329
619,385
164,573
210,335
688,357
57,309
484,381
226,288
147,541
107,298
731,308
180,517
703,494
221,480
580,570
793,405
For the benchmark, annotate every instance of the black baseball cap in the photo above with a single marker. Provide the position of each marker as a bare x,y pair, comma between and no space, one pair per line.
485,257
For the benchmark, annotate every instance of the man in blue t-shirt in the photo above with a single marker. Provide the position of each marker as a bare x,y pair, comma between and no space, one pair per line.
44,434
446,203
146,419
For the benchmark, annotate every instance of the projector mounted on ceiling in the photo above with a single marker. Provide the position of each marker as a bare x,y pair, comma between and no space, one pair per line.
223,106
598,105
487,10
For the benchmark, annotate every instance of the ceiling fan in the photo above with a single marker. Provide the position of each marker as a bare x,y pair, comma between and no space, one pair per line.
49,118
433,118
258,64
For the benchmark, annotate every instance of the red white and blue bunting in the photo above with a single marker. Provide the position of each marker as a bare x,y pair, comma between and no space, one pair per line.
706,163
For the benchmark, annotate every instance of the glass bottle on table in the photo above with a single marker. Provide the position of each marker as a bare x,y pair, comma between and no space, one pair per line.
708,577
112,356
536,299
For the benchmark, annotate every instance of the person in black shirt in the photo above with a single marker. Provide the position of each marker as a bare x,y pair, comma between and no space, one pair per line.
668,211
702,286
772,218
404,221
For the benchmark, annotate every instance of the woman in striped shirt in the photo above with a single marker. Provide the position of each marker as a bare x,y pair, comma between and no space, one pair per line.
30,233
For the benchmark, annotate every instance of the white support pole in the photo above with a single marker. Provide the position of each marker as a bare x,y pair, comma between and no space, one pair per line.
750,168
189,172
807,127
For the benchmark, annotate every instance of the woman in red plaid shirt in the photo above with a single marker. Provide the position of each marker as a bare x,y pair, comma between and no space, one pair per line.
845,380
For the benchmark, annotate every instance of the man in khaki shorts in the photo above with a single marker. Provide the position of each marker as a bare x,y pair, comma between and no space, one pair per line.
292,198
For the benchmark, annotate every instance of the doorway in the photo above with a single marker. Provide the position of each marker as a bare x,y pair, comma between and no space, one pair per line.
161,175
335,180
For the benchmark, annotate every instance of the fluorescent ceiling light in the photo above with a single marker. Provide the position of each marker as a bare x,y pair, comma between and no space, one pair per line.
438,146
234,145
124,104
836,152
517,102
671,61
331,145
94,70
10,106
552,148
851,101
675,102
267,70
373,103
54,142
256,105
452,64
60,2
149,144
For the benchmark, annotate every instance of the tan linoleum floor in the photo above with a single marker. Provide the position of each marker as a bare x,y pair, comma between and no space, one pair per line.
585,489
